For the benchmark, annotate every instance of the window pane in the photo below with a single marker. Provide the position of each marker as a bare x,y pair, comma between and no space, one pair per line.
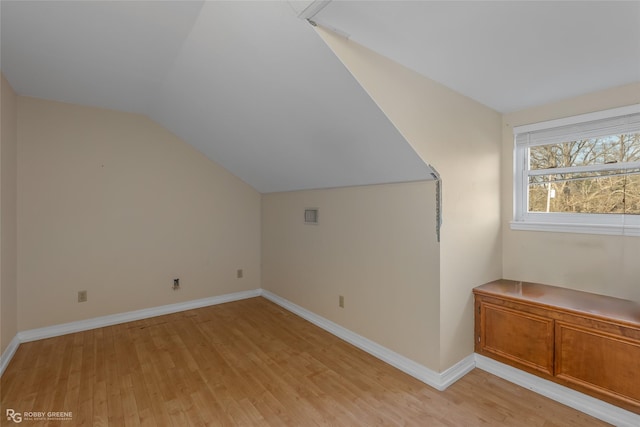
633,195
585,193
609,149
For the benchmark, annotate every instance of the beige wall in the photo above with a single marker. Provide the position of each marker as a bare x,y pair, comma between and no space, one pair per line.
114,204
375,245
594,263
8,218
461,138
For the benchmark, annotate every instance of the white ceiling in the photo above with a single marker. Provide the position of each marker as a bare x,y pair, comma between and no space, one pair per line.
106,54
254,88
261,92
508,55
249,84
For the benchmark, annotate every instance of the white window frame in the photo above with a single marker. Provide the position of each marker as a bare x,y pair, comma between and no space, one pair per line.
601,123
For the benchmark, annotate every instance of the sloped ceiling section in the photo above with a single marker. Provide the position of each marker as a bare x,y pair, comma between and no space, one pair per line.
258,90
104,54
249,84
508,55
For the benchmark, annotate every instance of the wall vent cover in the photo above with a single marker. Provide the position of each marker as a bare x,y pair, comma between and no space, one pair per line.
311,216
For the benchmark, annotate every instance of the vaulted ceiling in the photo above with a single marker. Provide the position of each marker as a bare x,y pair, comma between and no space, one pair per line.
508,55
252,86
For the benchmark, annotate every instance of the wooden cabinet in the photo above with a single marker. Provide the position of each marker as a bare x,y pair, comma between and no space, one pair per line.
588,342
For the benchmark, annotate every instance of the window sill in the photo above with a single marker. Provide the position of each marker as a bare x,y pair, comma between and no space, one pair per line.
611,229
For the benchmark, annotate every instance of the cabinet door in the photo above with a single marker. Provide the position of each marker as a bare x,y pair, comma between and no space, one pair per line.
518,338
599,361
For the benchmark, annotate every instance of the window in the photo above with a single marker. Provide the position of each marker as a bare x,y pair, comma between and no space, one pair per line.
579,174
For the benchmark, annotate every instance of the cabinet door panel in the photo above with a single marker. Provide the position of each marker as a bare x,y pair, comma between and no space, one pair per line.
518,337
598,361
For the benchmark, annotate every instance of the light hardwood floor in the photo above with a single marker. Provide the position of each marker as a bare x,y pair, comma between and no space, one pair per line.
248,363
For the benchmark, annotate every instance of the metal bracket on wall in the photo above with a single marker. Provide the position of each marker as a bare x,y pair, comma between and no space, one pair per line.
313,9
436,177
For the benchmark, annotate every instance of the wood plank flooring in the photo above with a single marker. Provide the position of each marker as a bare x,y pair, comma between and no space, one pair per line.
248,363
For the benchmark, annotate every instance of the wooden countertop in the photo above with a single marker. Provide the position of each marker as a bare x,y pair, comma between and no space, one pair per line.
585,303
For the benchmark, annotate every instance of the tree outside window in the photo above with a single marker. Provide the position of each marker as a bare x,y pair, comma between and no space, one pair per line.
612,189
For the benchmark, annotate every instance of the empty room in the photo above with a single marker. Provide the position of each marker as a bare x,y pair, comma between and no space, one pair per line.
301,213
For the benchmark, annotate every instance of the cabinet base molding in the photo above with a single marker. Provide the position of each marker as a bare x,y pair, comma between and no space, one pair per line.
584,403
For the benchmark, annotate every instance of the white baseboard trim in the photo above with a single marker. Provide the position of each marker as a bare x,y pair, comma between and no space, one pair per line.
439,381
114,319
8,353
574,399
457,371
